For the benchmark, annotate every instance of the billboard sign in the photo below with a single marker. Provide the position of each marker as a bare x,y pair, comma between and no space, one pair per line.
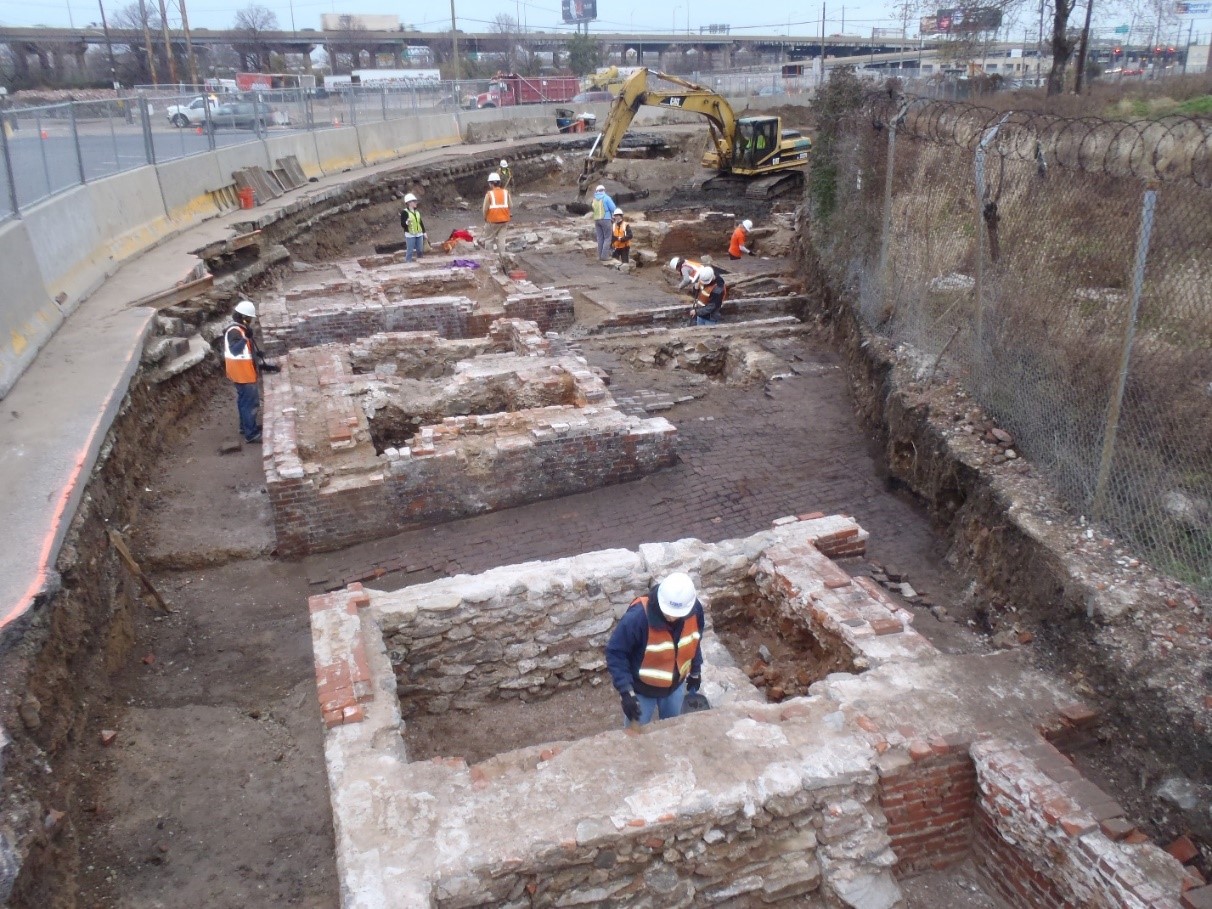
579,10
1184,8
968,21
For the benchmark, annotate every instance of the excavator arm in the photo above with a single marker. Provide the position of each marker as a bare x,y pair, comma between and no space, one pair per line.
636,94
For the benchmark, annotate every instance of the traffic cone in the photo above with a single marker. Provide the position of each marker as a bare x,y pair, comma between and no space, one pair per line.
45,134
199,130
336,121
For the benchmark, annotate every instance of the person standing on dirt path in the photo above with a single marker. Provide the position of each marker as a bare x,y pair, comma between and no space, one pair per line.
505,173
496,216
414,228
244,364
653,655
603,215
739,244
620,233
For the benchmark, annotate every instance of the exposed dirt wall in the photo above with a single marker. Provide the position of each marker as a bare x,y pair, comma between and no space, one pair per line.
58,662
1136,640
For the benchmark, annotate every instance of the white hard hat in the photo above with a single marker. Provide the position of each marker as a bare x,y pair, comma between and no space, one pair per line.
747,224
410,198
494,177
706,274
676,595
599,188
246,309
504,163
675,263
618,212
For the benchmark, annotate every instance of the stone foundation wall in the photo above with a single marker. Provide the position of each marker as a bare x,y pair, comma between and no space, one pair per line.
328,488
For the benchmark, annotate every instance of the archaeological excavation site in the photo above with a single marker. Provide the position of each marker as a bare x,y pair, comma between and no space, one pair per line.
361,663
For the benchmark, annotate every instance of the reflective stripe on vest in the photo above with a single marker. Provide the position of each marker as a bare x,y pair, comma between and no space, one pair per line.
498,206
620,236
665,660
240,367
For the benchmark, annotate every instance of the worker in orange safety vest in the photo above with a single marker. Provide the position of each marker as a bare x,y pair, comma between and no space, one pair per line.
739,244
620,242
244,364
496,216
653,655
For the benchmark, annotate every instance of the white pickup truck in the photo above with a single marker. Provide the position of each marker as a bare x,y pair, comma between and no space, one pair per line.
191,114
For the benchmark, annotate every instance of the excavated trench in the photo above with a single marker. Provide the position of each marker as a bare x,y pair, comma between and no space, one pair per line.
59,664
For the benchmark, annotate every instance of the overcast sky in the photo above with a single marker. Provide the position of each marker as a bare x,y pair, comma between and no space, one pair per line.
778,17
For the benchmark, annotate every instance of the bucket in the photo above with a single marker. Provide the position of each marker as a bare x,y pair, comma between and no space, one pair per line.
248,197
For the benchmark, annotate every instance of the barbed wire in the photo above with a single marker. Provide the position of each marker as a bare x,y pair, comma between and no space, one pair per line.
1168,149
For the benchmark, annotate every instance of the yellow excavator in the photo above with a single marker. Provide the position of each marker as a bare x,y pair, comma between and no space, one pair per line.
754,151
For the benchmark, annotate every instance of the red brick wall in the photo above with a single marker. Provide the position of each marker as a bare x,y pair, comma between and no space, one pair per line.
929,806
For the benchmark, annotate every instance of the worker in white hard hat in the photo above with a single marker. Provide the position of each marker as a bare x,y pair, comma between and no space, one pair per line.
414,228
603,215
620,238
709,294
739,244
496,216
504,172
244,364
653,655
687,271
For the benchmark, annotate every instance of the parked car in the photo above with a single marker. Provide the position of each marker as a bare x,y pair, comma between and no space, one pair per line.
242,115
592,96
191,114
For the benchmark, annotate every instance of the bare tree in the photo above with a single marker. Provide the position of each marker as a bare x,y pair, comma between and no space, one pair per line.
1061,44
506,27
351,38
254,20
142,19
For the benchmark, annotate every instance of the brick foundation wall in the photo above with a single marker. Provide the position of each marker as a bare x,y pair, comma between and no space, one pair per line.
1048,839
431,484
929,805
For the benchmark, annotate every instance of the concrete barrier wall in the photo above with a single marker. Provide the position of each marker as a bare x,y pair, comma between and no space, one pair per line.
28,314
338,149
392,138
186,185
300,144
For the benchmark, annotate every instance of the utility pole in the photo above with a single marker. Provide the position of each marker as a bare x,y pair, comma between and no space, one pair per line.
1039,46
1187,52
168,48
147,42
454,38
822,42
109,46
189,44
1081,51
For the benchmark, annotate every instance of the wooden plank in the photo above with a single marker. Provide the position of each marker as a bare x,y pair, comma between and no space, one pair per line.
132,566
179,293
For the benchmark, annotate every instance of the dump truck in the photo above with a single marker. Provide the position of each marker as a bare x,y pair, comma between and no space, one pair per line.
510,89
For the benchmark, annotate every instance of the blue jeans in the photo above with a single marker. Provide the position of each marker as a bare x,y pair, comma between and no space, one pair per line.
602,234
413,245
699,320
247,401
668,706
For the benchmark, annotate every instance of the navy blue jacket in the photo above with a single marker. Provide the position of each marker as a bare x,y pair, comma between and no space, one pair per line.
625,650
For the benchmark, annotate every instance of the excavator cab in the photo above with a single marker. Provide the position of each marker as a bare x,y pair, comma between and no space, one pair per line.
756,141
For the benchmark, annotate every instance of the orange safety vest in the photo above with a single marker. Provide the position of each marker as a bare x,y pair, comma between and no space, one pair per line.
705,290
666,661
498,206
621,240
241,368
738,240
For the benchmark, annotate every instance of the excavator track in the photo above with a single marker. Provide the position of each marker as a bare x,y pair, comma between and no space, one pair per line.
769,187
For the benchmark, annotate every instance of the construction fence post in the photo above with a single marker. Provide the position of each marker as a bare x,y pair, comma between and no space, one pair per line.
1116,402
71,114
8,167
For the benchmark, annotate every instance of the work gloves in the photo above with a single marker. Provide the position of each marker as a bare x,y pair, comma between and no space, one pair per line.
268,367
631,706
693,683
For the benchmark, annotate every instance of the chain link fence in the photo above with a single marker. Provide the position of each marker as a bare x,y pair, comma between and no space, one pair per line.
1061,269
48,149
